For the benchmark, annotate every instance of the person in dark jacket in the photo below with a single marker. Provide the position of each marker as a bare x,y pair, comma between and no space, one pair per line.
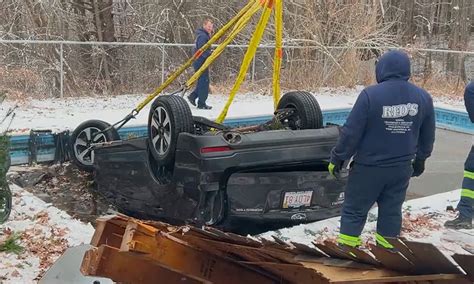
389,134
202,87
465,206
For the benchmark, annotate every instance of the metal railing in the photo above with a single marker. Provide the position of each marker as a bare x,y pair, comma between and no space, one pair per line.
163,46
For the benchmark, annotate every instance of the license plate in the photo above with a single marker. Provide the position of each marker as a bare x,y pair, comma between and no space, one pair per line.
297,199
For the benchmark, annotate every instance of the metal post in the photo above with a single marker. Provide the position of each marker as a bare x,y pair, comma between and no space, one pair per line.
61,69
162,64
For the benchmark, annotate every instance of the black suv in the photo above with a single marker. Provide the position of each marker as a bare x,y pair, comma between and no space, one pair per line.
190,169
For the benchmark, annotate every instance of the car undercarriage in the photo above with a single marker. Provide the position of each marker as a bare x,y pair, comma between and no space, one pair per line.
206,173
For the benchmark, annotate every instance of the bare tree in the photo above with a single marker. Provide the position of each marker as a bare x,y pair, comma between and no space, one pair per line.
358,27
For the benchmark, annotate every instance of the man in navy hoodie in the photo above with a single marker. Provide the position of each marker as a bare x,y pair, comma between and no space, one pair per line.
464,220
389,133
202,87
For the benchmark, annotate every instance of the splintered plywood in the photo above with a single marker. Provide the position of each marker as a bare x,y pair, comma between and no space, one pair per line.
341,274
354,254
129,249
430,260
240,252
304,249
350,253
393,260
108,232
331,250
293,273
402,248
336,262
122,267
172,252
364,257
233,238
467,264
348,275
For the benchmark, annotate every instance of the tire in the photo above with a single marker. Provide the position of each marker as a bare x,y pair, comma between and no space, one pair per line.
169,116
81,139
308,112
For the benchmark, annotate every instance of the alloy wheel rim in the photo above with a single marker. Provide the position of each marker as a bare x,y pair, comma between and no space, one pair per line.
82,145
161,130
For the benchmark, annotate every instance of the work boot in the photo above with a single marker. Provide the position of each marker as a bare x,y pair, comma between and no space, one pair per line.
206,107
191,100
459,223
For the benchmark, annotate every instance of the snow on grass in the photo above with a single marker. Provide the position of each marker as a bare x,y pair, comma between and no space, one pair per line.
44,231
60,114
423,221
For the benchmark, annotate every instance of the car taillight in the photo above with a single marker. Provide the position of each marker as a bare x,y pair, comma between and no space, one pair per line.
207,150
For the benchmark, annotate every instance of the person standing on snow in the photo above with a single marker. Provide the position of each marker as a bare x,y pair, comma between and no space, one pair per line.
201,92
390,133
464,220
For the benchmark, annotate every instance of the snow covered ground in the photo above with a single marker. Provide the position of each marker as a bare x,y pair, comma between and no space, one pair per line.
57,114
44,232
423,221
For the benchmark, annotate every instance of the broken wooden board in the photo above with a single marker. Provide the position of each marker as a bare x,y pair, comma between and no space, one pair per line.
242,253
332,250
109,231
129,268
302,249
393,260
398,244
172,252
416,258
350,275
274,245
209,255
348,253
364,257
337,262
467,264
430,260
293,273
233,238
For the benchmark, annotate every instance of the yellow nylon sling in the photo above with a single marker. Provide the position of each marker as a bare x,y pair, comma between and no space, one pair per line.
253,45
239,26
188,63
278,52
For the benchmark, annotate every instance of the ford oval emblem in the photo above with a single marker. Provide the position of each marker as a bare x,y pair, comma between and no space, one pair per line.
298,216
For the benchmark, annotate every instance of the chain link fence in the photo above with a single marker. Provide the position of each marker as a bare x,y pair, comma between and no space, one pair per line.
40,69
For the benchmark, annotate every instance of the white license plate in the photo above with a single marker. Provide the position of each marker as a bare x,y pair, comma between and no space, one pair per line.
297,199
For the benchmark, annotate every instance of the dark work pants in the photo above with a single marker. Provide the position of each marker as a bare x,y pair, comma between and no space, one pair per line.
202,87
366,186
467,195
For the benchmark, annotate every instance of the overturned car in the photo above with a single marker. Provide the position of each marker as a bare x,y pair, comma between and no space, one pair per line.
190,169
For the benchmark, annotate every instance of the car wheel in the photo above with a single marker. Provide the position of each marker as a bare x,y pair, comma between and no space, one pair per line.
307,115
84,136
169,116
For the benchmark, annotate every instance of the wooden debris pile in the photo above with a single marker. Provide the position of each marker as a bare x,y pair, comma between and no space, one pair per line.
131,251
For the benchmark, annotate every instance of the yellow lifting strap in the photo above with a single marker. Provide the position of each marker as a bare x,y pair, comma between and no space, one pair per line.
278,51
239,26
198,53
249,55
